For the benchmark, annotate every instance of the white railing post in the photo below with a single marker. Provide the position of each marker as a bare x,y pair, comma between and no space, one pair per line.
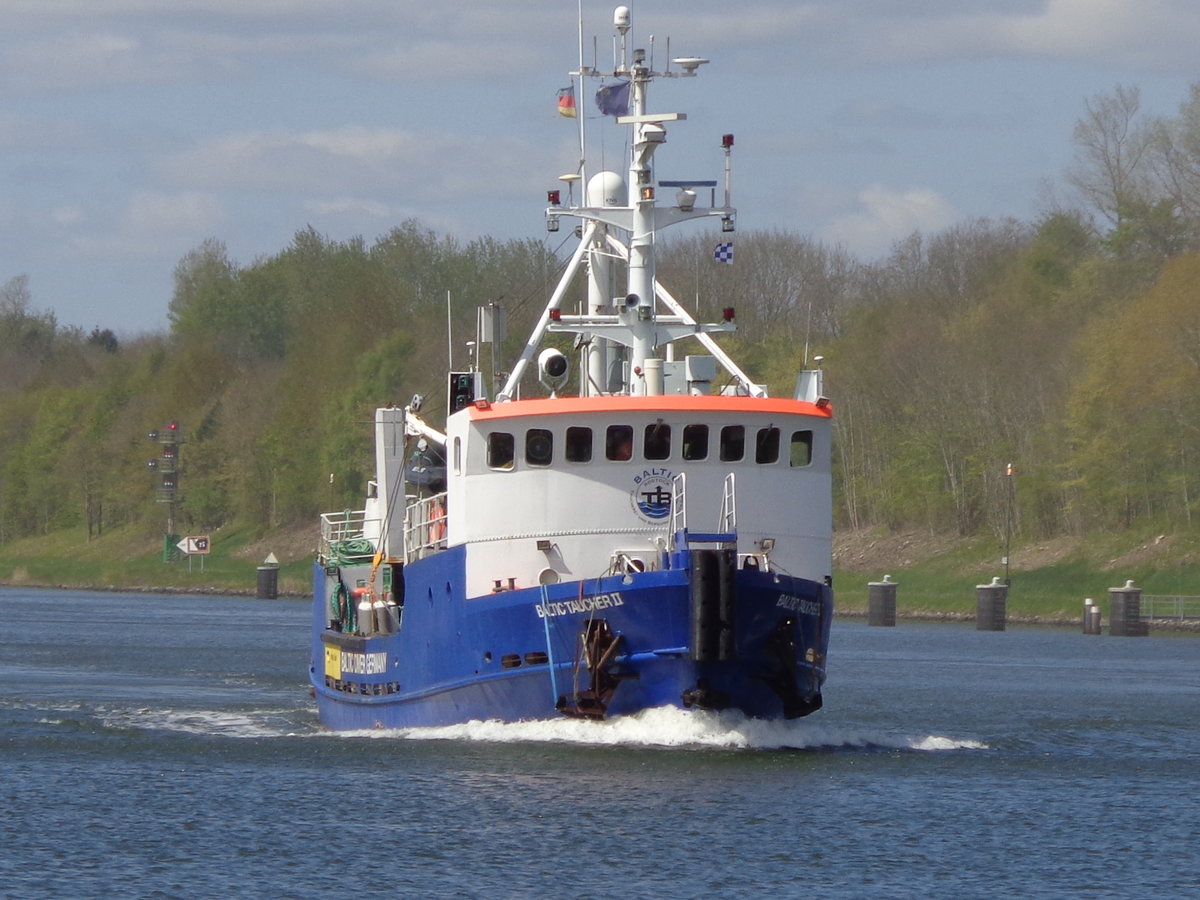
728,523
678,504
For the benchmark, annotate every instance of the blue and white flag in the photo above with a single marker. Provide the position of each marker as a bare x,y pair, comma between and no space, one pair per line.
723,252
613,99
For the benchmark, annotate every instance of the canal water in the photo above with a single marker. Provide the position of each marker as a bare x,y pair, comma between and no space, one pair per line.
166,746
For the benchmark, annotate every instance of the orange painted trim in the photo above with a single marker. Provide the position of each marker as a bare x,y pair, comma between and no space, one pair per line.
483,411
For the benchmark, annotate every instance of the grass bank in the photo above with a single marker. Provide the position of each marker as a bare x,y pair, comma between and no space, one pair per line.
936,574
134,560
1049,580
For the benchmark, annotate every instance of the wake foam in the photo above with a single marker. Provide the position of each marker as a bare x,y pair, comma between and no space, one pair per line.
666,726
262,723
671,727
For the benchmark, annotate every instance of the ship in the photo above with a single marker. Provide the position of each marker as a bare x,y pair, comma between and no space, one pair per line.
643,526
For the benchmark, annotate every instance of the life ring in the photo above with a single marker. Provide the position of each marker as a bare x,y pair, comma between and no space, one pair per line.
437,522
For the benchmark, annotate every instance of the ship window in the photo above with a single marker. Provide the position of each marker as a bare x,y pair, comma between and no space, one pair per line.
695,442
733,443
658,441
539,446
801,448
500,450
458,456
766,447
618,442
579,444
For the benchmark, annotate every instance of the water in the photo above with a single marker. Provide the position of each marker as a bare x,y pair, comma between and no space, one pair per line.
155,746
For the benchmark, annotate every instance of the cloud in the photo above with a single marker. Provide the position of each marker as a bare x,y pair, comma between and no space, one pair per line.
884,216
350,160
353,207
154,223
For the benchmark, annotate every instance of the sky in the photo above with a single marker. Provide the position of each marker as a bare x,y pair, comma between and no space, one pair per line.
133,130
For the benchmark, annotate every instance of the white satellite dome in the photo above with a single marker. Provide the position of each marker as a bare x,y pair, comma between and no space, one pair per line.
606,189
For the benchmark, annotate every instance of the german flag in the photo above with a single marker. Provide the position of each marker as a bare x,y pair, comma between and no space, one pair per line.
566,102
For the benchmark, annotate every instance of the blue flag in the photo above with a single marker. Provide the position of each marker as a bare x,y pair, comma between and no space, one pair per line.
723,252
613,99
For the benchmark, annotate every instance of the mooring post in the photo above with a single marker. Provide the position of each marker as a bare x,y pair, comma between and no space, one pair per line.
881,602
1125,611
991,602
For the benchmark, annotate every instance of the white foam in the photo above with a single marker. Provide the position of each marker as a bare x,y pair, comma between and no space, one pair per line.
248,724
671,727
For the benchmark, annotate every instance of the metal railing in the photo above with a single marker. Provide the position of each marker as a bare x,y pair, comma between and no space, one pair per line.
425,527
1169,606
343,536
678,503
728,506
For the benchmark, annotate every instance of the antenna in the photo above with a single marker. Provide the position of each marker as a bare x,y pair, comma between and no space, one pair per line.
580,118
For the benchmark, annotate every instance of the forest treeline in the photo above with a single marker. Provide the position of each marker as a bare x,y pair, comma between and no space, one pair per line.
1067,348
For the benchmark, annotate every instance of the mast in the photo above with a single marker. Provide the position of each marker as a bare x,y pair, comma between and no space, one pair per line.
621,219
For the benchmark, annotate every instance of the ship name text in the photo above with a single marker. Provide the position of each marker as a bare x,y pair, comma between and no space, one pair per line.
363,663
802,605
582,605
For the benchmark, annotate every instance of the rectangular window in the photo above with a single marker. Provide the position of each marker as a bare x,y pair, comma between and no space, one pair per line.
658,441
539,447
500,450
695,442
733,443
618,442
766,447
579,444
801,448
458,456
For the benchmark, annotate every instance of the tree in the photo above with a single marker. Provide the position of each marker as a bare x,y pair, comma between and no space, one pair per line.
1111,146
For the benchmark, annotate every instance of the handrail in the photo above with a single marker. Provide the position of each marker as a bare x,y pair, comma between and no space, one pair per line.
728,506
1169,606
425,524
678,503
343,536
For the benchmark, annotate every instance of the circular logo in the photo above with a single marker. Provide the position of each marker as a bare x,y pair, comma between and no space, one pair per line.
651,494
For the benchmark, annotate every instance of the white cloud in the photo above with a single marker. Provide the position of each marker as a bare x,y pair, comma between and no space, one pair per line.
67,216
353,207
350,160
883,216
156,223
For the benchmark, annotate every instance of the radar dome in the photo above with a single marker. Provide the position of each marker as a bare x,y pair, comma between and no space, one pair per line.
606,189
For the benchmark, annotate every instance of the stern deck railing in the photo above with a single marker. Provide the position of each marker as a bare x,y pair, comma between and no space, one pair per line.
343,536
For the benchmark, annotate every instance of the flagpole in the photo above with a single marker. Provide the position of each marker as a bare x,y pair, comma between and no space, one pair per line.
579,115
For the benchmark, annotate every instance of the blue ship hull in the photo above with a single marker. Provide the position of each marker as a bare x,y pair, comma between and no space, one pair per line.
734,639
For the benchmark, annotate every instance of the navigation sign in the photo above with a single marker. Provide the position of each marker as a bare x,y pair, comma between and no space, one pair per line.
197,544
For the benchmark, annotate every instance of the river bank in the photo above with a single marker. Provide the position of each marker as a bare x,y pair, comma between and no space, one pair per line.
936,574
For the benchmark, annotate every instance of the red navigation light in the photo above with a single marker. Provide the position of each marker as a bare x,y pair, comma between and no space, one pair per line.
554,198
556,315
172,426
727,141
728,313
